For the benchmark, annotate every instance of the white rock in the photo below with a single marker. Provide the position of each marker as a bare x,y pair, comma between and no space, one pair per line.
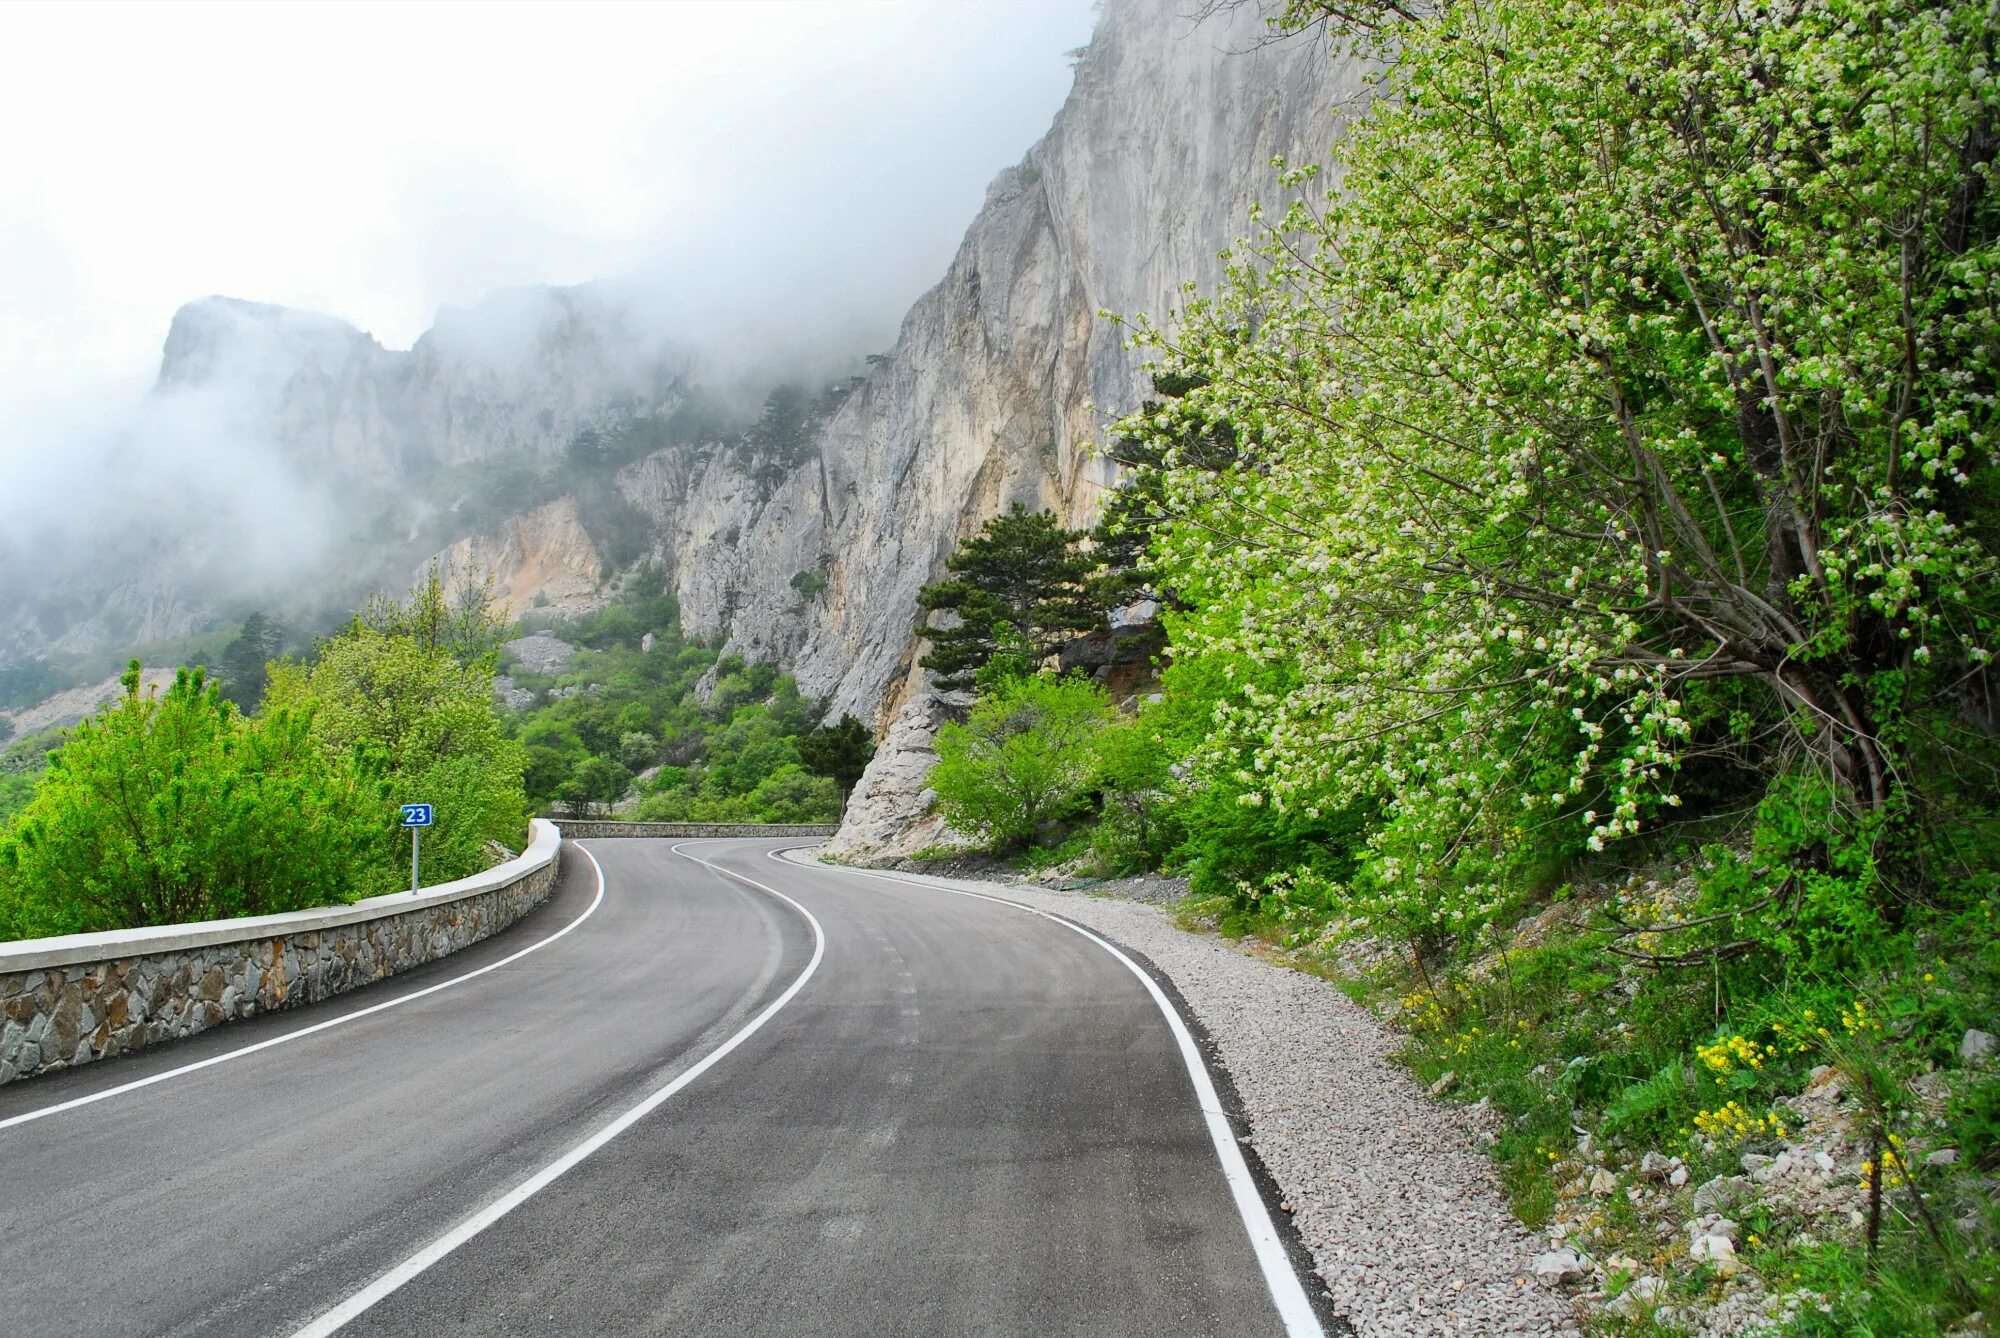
1654,1166
1824,1161
1717,1251
1713,1225
1603,1183
1942,1157
1638,1298
1976,1044
1560,1266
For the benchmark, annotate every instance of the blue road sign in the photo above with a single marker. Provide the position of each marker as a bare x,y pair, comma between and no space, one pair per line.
416,815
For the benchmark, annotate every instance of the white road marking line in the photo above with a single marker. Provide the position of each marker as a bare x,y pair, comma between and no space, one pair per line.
1286,1291
333,1320
316,1027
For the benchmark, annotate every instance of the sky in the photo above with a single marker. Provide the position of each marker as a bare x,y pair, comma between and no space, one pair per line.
377,161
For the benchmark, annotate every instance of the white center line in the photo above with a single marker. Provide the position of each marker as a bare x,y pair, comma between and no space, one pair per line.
360,1302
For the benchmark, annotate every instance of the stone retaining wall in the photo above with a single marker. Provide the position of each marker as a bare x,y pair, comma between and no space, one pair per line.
579,829
84,997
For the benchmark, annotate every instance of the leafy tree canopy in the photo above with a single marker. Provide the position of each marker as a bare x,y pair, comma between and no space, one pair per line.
1619,434
242,663
840,752
412,684
174,807
1026,756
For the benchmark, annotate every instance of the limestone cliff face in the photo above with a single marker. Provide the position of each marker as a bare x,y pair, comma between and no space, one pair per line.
521,371
1000,372
542,559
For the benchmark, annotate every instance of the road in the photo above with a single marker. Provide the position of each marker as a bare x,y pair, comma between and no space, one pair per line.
823,1104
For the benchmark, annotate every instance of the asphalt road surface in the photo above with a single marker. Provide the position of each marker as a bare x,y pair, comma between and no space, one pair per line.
827,1104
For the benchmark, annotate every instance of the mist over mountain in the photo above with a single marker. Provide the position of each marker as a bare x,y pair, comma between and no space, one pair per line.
793,482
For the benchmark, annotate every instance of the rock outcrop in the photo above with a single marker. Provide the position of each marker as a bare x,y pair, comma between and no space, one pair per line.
1003,372
523,370
543,559
889,814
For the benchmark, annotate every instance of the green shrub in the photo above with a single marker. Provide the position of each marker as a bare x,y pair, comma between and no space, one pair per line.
1026,757
174,807
428,715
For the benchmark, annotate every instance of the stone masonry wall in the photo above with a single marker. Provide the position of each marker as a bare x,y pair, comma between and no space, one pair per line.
576,829
61,1016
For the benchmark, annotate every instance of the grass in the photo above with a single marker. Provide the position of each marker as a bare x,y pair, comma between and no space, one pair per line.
1556,1036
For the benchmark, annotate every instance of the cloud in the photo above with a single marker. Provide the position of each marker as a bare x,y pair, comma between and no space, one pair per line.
776,179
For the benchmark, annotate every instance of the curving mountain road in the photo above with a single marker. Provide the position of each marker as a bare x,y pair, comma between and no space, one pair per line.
710,1092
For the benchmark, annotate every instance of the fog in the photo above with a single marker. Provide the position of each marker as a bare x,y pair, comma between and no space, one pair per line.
780,178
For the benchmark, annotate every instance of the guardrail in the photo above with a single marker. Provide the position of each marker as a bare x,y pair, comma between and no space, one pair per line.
578,829
81,997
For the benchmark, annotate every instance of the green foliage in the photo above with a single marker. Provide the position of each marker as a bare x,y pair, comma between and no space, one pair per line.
1023,576
1027,756
840,752
170,808
1596,474
241,666
411,683
22,763
1137,826
455,622
790,794
624,712
808,584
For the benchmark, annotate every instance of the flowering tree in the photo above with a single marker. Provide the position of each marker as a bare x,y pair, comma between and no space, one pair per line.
1624,416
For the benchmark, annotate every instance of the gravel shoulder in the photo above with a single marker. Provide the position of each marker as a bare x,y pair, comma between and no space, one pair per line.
1406,1223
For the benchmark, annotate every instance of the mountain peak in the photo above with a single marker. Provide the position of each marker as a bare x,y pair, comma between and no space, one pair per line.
215,336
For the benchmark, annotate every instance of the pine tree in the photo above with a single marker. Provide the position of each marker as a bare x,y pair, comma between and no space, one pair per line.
257,643
841,752
1024,581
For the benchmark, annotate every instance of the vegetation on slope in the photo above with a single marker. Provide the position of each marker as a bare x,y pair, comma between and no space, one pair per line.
688,734
1579,539
179,806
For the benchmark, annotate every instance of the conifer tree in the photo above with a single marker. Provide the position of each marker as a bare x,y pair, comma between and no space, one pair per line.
1024,579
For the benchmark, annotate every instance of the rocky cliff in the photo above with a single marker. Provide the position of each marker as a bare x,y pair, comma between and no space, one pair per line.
541,559
808,546
521,371
1001,372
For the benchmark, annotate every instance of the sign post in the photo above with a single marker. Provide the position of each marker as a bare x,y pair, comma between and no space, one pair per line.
416,817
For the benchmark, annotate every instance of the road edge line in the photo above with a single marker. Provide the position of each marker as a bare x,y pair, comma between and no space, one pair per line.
312,1029
1281,1278
386,1284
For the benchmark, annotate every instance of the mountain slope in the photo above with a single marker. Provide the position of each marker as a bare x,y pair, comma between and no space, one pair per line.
802,536
1003,369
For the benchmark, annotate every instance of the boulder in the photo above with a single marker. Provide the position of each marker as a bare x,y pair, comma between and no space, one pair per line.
1718,1252
1560,1266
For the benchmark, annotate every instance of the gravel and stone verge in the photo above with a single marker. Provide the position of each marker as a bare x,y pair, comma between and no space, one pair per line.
1407,1225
